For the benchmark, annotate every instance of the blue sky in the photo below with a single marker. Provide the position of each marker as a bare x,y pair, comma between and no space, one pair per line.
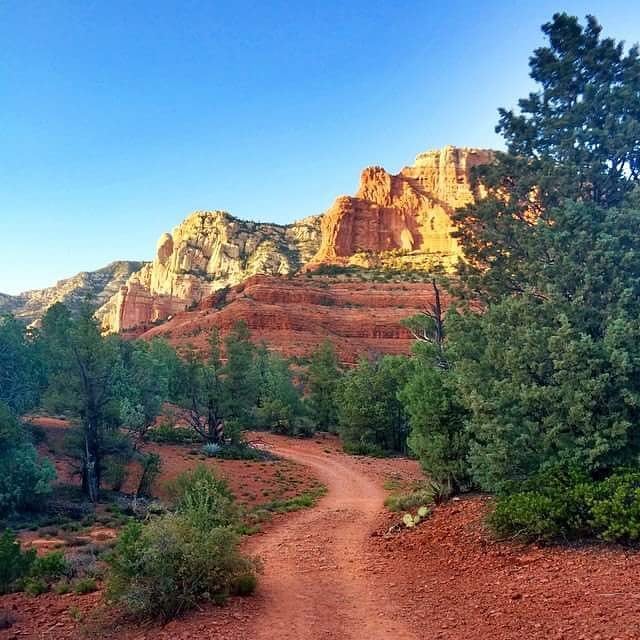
119,118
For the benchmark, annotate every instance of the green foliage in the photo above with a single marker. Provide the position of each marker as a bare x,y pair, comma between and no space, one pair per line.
84,586
540,390
84,377
203,497
548,374
416,497
323,375
301,501
169,565
240,451
211,449
115,474
564,502
145,369
22,373
35,586
279,405
371,418
15,564
24,478
437,418
50,567
563,146
151,464
168,434
240,378
204,393
245,584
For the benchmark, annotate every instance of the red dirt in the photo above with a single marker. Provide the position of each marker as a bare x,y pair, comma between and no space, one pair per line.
252,482
331,572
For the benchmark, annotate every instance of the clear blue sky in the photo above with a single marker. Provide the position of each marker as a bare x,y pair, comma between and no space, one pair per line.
118,118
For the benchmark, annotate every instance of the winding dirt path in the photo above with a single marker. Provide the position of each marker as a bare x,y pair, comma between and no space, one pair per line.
316,582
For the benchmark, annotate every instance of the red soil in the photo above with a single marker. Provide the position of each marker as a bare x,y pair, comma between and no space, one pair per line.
334,572
252,482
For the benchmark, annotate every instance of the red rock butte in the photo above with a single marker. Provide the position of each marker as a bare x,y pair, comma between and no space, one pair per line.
401,220
294,315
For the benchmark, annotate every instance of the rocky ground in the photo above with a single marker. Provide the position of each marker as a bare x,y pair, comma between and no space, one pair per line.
335,571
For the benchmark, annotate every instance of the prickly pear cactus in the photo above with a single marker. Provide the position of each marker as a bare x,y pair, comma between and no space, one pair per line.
411,521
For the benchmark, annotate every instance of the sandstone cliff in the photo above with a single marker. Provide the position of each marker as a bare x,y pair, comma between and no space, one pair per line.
208,251
96,286
406,214
293,315
391,221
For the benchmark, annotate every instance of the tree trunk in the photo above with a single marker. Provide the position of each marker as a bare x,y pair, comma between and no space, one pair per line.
91,470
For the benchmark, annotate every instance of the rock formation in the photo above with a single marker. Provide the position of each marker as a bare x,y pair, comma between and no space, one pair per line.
95,286
391,221
208,251
293,315
408,213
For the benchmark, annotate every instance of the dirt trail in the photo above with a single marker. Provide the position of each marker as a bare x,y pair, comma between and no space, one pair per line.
316,583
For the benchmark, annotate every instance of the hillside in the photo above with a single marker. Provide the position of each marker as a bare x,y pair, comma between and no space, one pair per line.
293,315
96,286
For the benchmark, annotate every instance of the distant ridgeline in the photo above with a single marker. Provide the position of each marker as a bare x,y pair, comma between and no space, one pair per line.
393,221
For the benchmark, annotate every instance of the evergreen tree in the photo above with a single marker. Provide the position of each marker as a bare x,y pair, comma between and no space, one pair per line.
24,478
240,376
280,408
83,371
21,368
371,418
550,372
204,393
323,375
437,419
577,138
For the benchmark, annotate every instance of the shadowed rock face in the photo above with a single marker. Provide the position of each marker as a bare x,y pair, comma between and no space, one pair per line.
95,286
392,220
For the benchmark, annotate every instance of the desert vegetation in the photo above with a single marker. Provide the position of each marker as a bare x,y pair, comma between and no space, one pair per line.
526,389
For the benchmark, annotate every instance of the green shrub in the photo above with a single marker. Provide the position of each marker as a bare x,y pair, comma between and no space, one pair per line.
168,566
412,499
62,587
245,584
151,464
562,503
211,449
51,566
241,451
24,478
84,586
115,474
35,586
301,501
15,564
203,498
615,511
167,434
364,449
